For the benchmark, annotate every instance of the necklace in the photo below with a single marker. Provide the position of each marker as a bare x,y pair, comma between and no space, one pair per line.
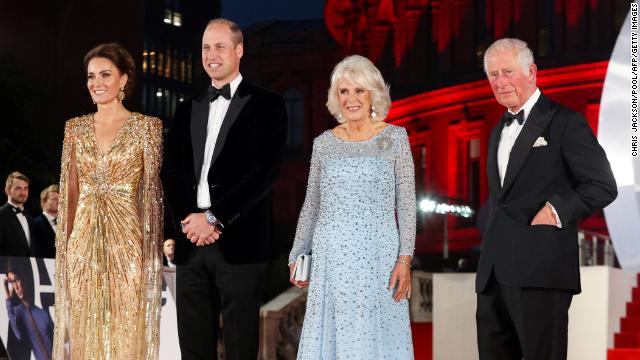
367,136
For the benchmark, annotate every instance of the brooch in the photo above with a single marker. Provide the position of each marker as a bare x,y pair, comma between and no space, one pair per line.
384,143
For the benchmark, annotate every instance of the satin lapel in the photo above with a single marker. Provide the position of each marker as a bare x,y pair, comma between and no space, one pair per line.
51,230
18,226
199,119
540,116
492,160
238,102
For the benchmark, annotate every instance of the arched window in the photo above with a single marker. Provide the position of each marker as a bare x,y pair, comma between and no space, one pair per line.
294,101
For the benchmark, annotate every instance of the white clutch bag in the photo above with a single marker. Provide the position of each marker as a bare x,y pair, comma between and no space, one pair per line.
303,268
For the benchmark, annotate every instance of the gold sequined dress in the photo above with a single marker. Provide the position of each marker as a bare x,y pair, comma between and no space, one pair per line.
109,269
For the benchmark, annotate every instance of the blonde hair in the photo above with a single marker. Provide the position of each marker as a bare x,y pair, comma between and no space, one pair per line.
44,195
15,175
361,71
524,55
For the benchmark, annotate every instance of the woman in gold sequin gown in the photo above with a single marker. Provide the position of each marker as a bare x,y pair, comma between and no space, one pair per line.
108,246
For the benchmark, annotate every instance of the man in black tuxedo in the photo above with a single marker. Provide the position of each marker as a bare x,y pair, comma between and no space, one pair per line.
546,171
16,227
223,154
44,225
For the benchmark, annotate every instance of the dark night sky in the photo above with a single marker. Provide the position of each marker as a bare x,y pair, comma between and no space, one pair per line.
246,12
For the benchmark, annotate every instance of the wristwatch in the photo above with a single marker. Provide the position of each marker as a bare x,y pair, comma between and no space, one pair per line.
211,219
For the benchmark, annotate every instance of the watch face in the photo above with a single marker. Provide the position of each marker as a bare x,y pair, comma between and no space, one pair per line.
210,218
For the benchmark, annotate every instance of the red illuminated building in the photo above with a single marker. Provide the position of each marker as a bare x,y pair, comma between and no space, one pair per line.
449,132
431,53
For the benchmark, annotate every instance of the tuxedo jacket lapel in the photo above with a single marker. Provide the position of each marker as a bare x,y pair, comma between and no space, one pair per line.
50,229
20,229
239,100
538,119
199,119
492,161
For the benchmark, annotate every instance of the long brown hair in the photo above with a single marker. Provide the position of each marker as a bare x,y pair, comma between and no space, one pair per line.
120,57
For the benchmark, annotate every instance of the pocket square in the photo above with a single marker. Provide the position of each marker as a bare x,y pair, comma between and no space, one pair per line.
540,142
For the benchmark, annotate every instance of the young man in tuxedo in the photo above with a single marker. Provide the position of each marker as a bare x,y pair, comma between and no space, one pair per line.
223,154
44,225
546,172
16,227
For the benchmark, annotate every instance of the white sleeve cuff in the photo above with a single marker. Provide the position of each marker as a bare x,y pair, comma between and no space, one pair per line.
555,213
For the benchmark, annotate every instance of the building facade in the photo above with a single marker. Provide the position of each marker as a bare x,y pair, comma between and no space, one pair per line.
431,52
171,66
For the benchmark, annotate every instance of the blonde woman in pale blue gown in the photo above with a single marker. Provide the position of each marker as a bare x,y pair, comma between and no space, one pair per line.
358,221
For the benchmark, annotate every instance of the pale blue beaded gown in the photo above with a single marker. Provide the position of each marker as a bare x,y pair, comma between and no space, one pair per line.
359,215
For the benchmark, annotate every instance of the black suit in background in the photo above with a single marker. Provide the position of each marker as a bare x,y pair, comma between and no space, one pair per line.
13,240
43,240
535,268
225,276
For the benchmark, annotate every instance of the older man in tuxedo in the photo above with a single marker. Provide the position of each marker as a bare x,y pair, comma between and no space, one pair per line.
224,151
16,227
546,171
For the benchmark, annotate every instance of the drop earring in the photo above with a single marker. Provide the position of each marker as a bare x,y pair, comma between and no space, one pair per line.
373,113
121,95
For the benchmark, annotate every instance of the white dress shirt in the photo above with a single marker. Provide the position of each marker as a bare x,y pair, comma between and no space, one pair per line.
510,134
23,222
217,111
508,138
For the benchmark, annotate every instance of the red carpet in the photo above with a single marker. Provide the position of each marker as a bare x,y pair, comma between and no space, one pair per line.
423,340
627,341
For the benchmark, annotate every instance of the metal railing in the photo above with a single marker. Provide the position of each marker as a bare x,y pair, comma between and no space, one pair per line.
595,249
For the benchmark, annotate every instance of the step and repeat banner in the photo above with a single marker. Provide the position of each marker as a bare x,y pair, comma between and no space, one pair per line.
27,310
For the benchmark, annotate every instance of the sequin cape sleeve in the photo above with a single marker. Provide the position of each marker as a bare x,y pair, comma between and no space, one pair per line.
309,212
405,193
152,222
61,311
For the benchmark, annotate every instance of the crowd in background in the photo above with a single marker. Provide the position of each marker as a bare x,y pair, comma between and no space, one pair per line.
23,233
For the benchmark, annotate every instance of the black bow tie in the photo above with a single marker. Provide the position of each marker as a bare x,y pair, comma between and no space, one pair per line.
17,210
509,117
225,92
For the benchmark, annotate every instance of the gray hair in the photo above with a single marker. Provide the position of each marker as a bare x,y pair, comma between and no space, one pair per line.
361,71
524,55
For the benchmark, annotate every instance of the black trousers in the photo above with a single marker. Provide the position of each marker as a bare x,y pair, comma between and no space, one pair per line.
515,323
207,285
